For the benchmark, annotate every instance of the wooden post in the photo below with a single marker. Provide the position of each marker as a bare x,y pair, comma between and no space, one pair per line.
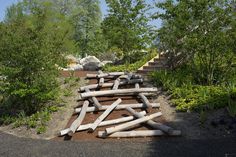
118,91
140,133
79,120
95,86
95,101
143,97
131,123
119,107
103,123
116,84
104,115
151,123
114,74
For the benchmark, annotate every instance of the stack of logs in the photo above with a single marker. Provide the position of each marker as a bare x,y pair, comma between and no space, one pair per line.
90,93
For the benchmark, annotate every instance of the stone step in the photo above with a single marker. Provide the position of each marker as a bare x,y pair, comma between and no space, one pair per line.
160,59
156,64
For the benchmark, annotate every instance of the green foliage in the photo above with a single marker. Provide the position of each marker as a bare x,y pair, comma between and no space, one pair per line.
130,67
201,33
126,26
37,120
188,95
86,19
30,47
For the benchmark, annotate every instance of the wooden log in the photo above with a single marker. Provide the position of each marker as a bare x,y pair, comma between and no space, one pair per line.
119,107
79,120
103,123
140,133
143,97
133,77
116,84
95,86
104,115
118,91
104,75
95,101
130,124
101,82
151,123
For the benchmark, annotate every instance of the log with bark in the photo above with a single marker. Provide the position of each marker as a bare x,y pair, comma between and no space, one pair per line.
118,91
119,107
103,123
131,124
140,133
104,115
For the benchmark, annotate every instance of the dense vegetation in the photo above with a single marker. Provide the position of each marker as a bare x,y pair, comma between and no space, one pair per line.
200,40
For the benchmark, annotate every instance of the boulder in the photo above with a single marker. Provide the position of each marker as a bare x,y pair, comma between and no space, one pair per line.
76,67
91,63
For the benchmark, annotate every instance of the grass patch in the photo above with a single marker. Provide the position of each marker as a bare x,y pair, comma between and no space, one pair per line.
129,67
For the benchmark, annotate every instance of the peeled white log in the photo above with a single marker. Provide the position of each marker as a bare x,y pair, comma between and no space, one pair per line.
95,100
127,125
105,74
104,114
118,91
95,86
116,84
119,107
151,123
79,120
140,133
103,123
101,82
143,97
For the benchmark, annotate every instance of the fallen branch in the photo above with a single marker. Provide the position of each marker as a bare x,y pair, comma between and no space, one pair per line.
119,107
103,123
118,91
104,114
140,133
127,125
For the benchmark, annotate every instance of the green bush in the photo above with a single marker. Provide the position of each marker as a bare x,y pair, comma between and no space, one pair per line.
188,94
29,49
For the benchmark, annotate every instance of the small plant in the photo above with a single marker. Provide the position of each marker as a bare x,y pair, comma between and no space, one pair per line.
67,92
41,129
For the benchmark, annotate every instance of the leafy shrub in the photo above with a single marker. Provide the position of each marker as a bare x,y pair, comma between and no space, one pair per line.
187,94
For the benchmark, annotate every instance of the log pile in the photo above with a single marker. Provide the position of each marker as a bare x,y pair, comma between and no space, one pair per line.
123,84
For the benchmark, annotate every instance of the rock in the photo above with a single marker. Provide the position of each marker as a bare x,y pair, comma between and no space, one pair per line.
91,63
76,67
89,59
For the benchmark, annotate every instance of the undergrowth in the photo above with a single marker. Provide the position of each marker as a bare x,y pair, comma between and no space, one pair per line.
188,95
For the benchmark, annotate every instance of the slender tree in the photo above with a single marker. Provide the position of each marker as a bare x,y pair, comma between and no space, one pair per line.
126,25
